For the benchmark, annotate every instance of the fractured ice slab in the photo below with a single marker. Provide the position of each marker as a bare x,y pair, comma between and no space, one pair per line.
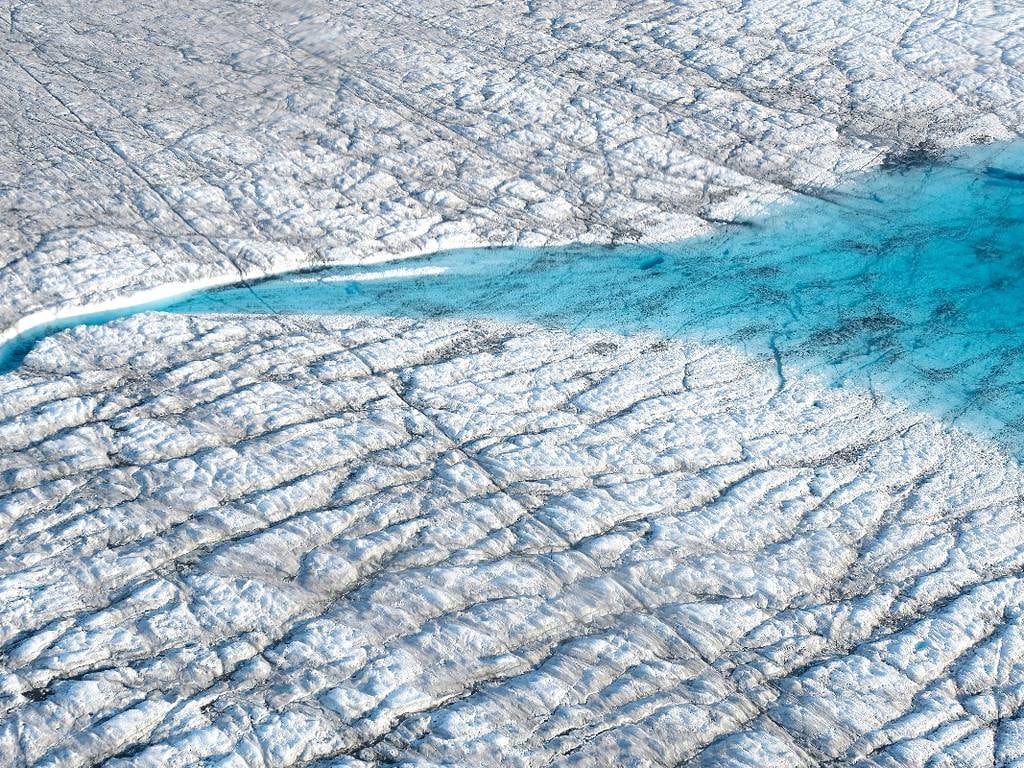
274,541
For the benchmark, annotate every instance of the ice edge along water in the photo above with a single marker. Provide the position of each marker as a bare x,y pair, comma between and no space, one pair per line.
18,339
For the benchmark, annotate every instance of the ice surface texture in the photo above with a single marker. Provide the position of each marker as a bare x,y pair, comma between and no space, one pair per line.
269,542
145,144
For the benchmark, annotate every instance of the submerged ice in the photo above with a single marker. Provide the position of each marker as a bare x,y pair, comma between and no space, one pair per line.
909,283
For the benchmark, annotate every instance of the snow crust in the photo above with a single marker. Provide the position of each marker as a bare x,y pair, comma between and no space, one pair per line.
369,541
145,145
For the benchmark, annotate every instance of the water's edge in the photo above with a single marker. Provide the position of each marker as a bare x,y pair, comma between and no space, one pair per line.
19,338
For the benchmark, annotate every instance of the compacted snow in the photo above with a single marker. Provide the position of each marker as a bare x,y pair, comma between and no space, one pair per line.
361,540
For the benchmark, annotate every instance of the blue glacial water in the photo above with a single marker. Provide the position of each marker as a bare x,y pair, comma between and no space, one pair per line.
909,281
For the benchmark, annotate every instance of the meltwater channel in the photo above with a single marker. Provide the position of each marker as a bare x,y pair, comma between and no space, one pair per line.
909,282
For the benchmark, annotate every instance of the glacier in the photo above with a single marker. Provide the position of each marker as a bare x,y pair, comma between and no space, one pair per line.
640,384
